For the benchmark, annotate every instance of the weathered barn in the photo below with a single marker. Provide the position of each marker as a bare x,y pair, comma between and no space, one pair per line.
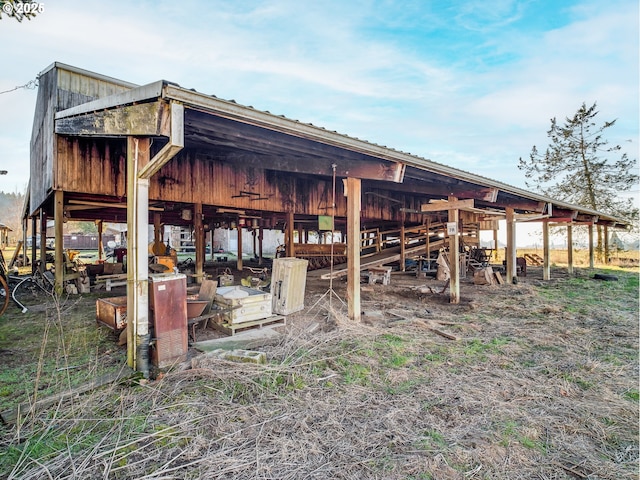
107,150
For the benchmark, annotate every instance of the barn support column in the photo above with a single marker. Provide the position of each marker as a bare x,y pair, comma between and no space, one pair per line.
546,264
354,200
403,255
137,256
43,241
454,253
23,247
607,258
288,236
58,220
495,243
570,249
591,249
254,235
157,234
34,228
427,242
260,239
200,250
239,261
511,245
100,225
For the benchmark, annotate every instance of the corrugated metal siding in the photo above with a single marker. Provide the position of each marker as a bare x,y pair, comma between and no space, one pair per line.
75,88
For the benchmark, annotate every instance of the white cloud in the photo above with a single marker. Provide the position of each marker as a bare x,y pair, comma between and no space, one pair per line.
373,71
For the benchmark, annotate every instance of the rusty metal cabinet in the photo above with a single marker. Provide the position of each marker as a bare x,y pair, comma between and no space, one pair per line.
168,316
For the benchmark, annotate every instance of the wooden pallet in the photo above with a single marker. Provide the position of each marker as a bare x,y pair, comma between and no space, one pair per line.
232,328
534,259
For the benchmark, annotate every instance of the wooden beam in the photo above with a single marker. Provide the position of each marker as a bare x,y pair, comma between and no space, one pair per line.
437,188
176,142
288,234
143,119
450,205
137,256
454,251
34,229
546,262
403,258
100,225
591,249
373,169
354,201
570,249
239,260
58,220
90,205
511,246
200,249
606,244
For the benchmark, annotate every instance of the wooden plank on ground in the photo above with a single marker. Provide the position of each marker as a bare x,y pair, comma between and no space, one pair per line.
10,416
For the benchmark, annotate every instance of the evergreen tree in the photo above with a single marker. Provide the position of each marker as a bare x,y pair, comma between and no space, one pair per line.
578,167
20,9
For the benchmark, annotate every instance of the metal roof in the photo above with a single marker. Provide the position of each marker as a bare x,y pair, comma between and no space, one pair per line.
232,110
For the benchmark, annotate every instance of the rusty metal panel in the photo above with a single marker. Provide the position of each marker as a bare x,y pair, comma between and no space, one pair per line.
168,315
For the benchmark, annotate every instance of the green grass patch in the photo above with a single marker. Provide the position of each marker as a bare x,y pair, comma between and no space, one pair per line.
632,395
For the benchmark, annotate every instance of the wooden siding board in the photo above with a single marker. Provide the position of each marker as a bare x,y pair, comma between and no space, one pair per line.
60,89
91,166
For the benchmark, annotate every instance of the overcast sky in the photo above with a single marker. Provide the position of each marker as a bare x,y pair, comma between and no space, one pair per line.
469,84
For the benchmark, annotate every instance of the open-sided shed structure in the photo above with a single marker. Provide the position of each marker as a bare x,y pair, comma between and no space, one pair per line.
105,149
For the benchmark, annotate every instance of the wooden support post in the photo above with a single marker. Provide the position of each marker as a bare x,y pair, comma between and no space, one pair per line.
454,253
354,200
255,245
546,264
288,235
495,244
100,225
239,261
403,258
58,220
43,241
607,260
34,228
25,226
428,239
591,249
157,231
570,249
260,239
511,245
137,256
200,247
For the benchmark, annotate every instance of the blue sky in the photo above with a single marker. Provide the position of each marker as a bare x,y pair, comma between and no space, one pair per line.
470,84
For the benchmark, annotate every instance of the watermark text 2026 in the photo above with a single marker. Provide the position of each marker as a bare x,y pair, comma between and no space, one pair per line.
22,8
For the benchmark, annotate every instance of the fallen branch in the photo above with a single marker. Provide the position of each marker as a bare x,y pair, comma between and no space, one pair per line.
431,328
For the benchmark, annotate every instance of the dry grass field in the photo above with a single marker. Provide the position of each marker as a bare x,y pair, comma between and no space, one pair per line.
537,380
